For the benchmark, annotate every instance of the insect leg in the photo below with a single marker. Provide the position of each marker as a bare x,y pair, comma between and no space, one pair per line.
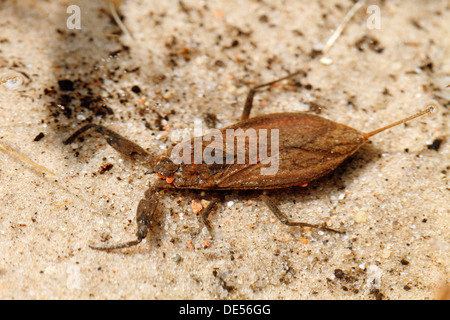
282,217
249,100
118,142
206,211
144,214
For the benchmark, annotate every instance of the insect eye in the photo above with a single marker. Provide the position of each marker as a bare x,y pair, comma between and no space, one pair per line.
166,167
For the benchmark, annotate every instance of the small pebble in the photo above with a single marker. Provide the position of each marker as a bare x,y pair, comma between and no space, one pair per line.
196,206
177,258
360,217
318,46
386,253
326,61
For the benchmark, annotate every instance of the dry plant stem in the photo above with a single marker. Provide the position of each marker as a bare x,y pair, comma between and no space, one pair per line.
341,27
15,154
116,17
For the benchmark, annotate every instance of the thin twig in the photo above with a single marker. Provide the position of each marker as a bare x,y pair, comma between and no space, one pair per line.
341,27
15,154
116,17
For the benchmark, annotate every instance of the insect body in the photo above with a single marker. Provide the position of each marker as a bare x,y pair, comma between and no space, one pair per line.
308,148
305,153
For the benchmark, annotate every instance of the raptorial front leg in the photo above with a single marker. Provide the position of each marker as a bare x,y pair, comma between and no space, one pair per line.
115,140
144,215
284,219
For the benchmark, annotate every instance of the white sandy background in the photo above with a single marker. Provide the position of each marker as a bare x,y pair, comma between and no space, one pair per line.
196,58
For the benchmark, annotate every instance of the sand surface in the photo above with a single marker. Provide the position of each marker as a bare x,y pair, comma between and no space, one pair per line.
194,60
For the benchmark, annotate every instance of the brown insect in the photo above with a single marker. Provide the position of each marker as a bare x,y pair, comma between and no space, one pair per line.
309,148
